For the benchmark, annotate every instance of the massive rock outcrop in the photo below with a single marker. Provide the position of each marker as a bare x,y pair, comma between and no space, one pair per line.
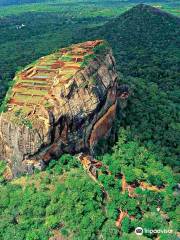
64,102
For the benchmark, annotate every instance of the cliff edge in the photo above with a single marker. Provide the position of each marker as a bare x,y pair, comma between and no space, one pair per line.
63,102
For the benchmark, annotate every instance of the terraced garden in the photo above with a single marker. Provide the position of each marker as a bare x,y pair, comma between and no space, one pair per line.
38,85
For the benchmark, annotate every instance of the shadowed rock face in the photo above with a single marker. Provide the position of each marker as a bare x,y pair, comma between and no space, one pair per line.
64,102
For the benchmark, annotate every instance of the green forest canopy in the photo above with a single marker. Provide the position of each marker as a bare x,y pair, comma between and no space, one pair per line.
145,43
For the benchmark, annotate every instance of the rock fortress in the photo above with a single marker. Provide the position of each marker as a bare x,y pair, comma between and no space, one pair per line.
62,103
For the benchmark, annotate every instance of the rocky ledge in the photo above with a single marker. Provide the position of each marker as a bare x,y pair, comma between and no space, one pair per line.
63,102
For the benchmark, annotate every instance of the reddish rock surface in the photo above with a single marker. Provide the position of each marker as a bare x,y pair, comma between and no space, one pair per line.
64,102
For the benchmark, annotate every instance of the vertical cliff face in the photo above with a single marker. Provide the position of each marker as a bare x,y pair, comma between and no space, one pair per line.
64,102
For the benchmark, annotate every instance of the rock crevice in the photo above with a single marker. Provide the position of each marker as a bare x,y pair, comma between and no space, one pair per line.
64,102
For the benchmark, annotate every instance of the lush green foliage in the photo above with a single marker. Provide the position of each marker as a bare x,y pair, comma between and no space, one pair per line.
2,169
42,21
145,44
62,197
147,57
138,164
65,198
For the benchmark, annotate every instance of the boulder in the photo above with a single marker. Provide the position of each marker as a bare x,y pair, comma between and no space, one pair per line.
62,103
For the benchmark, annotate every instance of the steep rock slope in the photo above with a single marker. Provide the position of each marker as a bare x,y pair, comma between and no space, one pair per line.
64,102
146,45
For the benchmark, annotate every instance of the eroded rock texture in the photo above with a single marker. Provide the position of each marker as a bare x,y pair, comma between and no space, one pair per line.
64,102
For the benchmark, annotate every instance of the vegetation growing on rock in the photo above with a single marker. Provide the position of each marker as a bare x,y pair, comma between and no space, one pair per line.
56,104
137,180
64,198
